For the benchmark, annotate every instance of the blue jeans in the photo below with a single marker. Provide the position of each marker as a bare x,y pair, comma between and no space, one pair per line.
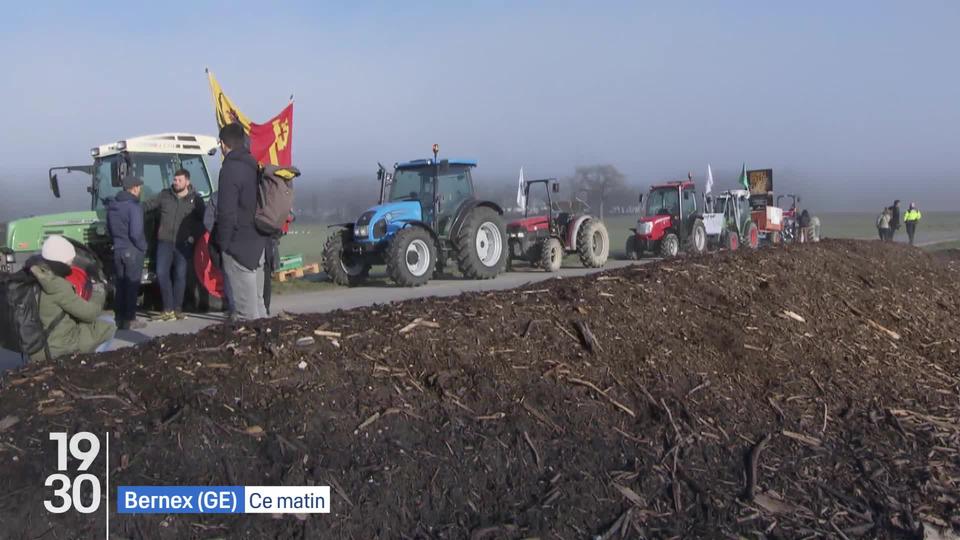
105,346
128,270
178,256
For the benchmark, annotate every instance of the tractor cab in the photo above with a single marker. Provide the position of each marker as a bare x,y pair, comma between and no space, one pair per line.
728,221
422,191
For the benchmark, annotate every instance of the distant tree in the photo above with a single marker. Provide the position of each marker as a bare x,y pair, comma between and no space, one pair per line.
600,183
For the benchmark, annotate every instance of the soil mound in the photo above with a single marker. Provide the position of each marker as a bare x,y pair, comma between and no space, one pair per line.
807,391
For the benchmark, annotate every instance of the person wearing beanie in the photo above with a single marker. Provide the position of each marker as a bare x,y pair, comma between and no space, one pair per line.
74,325
125,224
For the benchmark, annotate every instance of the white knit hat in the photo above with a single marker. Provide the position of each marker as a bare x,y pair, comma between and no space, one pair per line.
58,249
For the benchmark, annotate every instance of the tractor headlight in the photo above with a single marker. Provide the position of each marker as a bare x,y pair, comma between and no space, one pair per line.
363,231
10,258
380,228
645,227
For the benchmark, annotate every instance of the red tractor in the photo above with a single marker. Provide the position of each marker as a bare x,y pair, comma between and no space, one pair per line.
671,222
542,239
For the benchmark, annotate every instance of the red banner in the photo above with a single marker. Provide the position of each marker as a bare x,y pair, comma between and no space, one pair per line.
272,142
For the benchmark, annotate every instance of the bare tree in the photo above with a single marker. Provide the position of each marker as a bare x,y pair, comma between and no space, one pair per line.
599,182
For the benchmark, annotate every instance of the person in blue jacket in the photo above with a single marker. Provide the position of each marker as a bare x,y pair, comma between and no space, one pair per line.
125,224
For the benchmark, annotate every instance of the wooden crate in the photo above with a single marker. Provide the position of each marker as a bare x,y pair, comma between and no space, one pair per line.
295,273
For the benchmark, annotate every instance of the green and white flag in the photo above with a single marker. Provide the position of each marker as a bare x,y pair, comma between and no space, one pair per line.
743,177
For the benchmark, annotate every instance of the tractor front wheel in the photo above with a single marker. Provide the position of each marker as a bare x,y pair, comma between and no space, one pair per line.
481,244
593,244
731,241
669,246
631,248
340,267
551,255
411,257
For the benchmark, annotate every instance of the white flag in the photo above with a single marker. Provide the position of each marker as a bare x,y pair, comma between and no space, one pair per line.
521,196
709,186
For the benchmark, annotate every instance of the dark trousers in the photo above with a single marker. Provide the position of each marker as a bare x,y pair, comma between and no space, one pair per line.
883,233
173,286
128,269
911,230
271,263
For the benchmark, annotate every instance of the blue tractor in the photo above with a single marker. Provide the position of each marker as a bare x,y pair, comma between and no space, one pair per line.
427,215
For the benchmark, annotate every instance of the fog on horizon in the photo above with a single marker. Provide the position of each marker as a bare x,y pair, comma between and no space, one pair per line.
852,104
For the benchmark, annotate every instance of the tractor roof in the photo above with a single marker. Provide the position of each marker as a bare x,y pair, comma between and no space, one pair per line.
418,163
163,143
684,184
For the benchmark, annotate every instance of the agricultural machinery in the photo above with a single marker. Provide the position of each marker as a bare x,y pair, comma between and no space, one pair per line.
427,214
729,221
671,222
543,239
153,158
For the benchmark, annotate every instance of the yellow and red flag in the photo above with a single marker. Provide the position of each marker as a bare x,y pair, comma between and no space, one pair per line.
271,142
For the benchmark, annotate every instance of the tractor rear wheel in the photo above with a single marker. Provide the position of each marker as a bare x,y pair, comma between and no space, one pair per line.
697,240
752,235
411,257
593,244
731,240
340,267
669,245
631,250
551,254
481,245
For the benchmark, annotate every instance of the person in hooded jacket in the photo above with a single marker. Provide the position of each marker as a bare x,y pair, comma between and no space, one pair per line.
242,244
76,325
125,224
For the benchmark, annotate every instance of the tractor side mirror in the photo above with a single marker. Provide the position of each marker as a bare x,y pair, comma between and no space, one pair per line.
116,175
556,188
55,185
640,199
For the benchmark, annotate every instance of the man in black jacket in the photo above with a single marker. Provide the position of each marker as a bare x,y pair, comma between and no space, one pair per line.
181,223
894,219
242,245
125,224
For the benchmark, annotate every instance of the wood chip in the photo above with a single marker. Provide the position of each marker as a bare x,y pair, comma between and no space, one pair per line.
418,322
255,431
326,333
893,335
8,422
631,495
800,437
794,316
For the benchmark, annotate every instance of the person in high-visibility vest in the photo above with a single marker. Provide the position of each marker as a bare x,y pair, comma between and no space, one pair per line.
910,219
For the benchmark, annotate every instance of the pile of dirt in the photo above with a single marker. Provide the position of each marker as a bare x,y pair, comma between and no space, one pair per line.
807,391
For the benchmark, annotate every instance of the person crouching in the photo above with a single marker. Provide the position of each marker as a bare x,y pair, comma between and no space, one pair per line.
75,325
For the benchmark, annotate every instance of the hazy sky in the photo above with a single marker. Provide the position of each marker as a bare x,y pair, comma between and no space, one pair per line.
853,102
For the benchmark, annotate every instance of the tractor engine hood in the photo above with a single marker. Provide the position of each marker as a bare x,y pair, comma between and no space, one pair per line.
529,224
28,234
653,227
379,222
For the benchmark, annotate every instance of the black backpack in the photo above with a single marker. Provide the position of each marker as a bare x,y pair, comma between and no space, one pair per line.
20,327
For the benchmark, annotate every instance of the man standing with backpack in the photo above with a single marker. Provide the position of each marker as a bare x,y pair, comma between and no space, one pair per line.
125,223
242,244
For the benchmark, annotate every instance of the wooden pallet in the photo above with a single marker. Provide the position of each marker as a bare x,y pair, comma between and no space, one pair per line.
296,273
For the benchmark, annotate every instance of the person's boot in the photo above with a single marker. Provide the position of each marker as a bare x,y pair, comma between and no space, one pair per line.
136,325
179,315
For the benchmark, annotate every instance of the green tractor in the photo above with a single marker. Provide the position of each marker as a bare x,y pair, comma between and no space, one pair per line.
154,158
